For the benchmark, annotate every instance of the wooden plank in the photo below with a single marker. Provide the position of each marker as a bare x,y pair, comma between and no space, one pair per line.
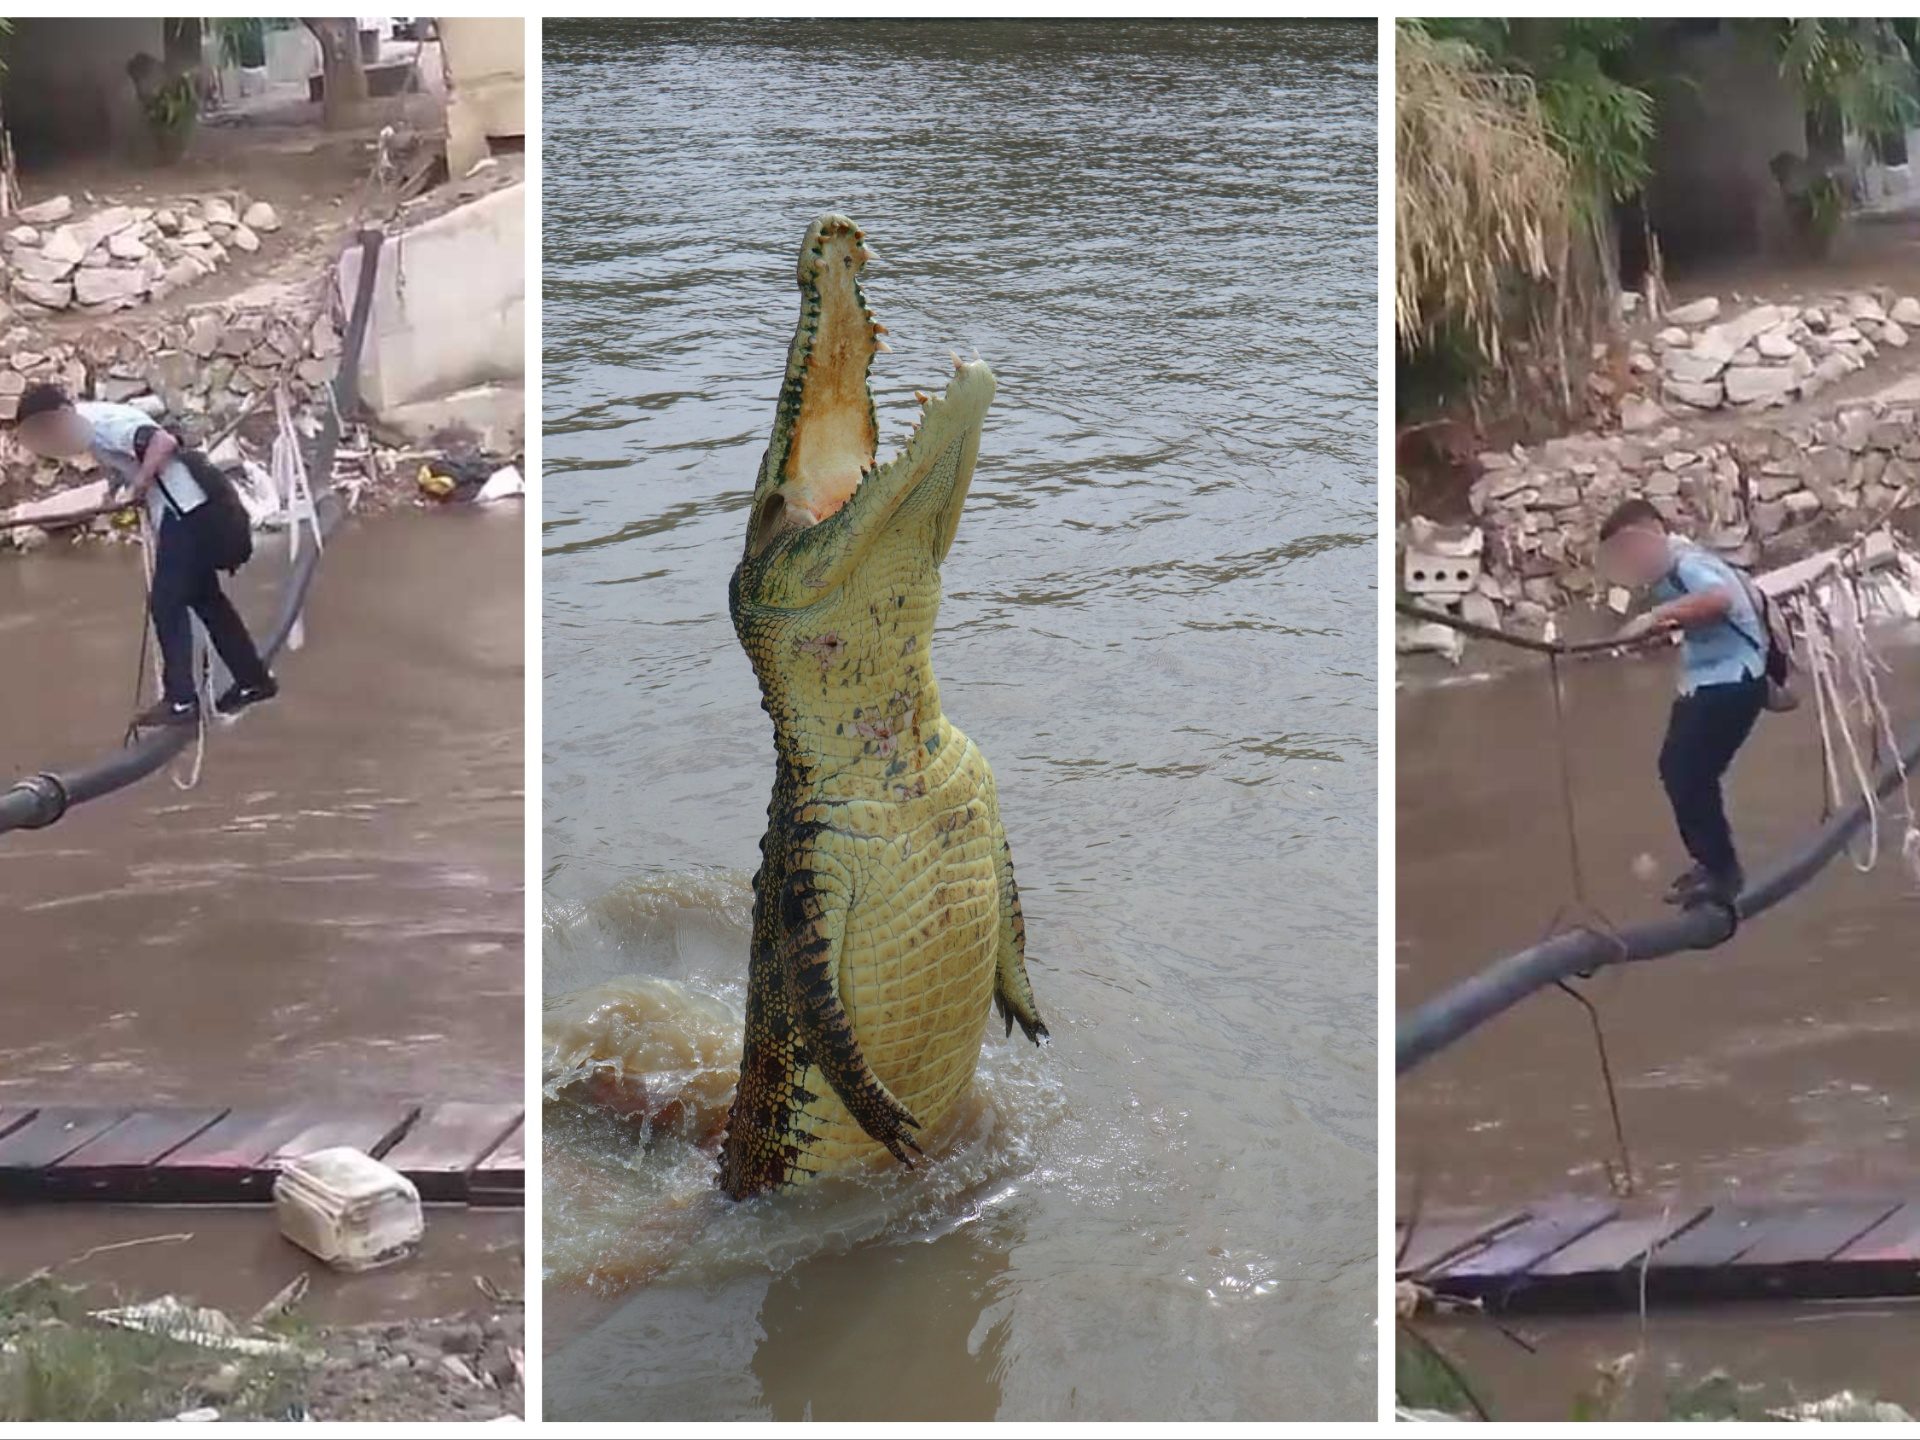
1435,1241
501,1178
1815,1233
1721,1238
49,1137
1876,550
116,1164
227,1161
1894,1240
445,1146
1551,1228
375,1130
1619,1244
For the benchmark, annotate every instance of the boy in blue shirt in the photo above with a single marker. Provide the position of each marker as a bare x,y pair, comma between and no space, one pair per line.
1723,682
144,457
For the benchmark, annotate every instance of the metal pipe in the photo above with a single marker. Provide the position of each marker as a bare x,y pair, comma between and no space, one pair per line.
1439,1022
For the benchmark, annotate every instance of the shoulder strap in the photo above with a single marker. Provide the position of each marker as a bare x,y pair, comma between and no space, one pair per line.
167,495
159,478
1747,588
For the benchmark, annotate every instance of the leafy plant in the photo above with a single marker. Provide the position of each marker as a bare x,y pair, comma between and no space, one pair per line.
1481,192
174,105
1602,124
1861,69
172,109
243,42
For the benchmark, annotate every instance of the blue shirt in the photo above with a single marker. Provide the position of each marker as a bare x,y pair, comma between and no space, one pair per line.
1728,650
114,427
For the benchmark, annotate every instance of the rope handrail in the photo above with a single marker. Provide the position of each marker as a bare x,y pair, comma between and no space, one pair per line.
1527,642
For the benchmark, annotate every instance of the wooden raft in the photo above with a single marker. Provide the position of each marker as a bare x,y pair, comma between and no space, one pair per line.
1573,1255
455,1153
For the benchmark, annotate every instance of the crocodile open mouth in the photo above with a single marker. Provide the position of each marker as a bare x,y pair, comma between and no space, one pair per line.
826,436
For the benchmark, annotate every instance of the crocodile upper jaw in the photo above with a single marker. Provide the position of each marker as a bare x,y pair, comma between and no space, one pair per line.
823,501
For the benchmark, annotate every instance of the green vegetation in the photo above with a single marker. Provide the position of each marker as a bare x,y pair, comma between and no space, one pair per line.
172,109
1523,144
243,42
57,1364
1429,1381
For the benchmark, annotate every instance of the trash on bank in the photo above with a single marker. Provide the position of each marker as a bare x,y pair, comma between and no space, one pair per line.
506,483
476,478
174,1319
346,1208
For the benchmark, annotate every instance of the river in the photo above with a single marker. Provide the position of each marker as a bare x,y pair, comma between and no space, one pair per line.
1158,625
336,910
1778,1066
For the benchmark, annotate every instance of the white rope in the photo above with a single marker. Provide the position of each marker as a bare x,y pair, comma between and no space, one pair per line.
1844,669
1865,666
295,493
1817,645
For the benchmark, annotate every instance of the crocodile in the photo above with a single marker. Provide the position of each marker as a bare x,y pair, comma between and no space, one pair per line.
886,920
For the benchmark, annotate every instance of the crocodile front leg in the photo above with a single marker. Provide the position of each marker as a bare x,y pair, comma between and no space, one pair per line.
1012,992
813,913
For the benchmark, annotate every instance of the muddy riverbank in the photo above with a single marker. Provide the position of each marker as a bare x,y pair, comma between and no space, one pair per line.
435,1337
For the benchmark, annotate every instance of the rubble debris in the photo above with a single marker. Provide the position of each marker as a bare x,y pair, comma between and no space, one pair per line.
191,1325
120,256
1762,357
1767,491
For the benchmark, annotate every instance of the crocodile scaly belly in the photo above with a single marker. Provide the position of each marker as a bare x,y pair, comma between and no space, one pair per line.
915,971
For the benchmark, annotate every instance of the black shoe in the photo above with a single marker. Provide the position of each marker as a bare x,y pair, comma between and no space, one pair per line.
1720,888
237,697
167,712
1685,884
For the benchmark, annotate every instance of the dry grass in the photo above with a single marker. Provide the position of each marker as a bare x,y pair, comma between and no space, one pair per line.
1481,198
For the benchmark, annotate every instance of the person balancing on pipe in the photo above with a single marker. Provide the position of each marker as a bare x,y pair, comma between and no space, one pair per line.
199,525
1731,668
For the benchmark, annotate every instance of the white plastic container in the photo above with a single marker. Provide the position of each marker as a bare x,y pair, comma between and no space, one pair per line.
348,1209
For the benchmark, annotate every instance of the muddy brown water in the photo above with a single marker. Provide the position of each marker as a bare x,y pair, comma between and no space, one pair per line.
335,911
1158,625
1780,1065
233,1259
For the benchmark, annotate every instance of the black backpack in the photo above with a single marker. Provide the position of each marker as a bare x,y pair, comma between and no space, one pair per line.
227,526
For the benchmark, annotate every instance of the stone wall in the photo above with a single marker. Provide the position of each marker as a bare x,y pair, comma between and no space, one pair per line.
202,369
486,65
120,256
1768,494
446,345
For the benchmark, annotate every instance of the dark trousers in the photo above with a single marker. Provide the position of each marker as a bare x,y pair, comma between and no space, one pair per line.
185,584
1704,732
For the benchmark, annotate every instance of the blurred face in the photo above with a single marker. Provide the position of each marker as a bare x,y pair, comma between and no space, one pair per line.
1636,556
54,434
